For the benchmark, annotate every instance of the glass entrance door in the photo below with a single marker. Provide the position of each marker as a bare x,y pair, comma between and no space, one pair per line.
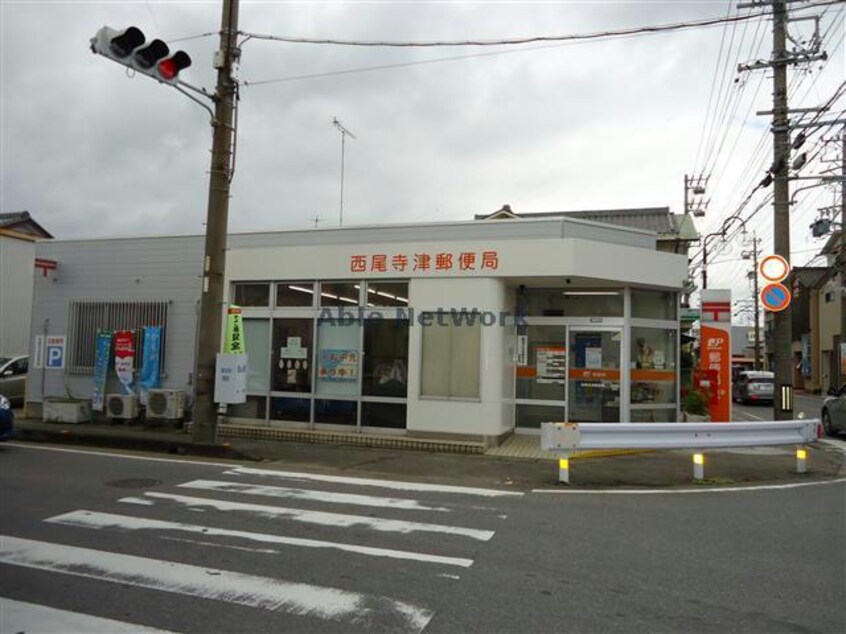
541,376
594,376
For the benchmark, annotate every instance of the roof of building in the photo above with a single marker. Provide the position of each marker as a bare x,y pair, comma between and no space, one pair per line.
23,222
656,219
810,276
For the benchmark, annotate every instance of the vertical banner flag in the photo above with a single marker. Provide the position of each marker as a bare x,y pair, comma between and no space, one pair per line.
125,359
103,350
715,350
234,343
150,361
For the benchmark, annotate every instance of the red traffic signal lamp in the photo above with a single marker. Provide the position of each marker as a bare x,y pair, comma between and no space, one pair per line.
130,48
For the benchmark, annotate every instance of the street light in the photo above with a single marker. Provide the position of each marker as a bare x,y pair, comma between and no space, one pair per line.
722,233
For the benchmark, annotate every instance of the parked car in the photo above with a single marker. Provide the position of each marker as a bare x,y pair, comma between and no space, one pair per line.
13,378
7,419
754,387
834,411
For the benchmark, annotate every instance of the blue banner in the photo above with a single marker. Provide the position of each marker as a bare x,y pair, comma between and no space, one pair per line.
150,360
101,368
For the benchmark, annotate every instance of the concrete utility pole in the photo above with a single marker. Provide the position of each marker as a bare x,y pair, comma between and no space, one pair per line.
344,134
214,262
782,327
841,256
755,291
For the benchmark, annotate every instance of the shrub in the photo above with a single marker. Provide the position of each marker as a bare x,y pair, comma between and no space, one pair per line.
695,402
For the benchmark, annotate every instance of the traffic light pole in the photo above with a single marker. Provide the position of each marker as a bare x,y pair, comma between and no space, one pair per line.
214,262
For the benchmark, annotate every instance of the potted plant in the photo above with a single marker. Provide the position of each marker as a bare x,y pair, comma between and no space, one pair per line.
695,406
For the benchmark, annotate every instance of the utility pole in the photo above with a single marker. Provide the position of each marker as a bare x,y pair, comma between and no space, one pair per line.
754,275
779,173
782,327
214,262
344,133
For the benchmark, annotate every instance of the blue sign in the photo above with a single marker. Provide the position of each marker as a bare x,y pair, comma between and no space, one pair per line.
101,368
150,360
775,297
54,355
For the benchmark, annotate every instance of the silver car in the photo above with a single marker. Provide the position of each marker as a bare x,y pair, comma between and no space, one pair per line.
13,378
834,411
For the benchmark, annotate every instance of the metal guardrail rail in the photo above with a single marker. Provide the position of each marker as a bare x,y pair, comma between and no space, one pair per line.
567,438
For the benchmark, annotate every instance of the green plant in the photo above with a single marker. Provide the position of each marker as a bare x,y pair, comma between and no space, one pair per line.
695,402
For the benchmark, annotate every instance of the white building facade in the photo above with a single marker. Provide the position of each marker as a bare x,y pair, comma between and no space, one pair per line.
466,330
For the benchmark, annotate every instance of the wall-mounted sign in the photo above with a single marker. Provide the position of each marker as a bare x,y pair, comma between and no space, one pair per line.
775,297
552,364
444,261
54,352
774,268
293,349
338,365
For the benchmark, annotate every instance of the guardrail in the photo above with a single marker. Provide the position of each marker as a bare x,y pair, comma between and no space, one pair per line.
567,438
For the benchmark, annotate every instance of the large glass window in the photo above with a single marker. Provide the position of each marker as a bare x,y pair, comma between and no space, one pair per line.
292,355
252,295
294,294
541,374
293,409
653,372
450,358
653,304
390,415
385,358
257,343
531,416
335,412
339,293
338,357
387,294
564,302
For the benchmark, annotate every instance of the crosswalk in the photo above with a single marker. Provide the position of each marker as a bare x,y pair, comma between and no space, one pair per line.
288,537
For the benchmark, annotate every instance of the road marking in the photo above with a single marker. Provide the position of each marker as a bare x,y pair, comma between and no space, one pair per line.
386,484
95,520
19,616
322,517
364,612
138,501
186,460
750,415
763,487
310,495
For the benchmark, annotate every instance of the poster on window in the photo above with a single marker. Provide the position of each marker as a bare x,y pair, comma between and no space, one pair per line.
125,359
551,364
338,365
150,361
103,349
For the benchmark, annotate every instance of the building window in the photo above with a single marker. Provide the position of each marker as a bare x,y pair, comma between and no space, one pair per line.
450,358
387,294
291,294
291,355
385,358
653,304
829,297
561,302
653,372
252,294
338,355
339,294
257,344
86,318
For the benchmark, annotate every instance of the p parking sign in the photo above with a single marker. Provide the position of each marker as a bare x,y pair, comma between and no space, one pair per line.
54,352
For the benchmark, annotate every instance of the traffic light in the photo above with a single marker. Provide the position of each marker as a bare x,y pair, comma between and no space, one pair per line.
130,48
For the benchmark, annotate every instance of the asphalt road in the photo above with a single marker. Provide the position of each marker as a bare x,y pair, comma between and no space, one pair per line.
104,542
808,404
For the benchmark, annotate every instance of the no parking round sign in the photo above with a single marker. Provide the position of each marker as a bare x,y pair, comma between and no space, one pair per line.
775,297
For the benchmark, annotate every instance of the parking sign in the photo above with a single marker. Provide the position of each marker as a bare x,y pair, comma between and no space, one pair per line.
54,358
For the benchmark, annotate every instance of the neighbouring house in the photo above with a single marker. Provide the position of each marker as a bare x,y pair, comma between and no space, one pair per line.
18,235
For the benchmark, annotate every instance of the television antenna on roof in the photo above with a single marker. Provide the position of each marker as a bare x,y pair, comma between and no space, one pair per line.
344,134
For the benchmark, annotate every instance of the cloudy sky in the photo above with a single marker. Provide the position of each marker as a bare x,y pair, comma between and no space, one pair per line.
442,133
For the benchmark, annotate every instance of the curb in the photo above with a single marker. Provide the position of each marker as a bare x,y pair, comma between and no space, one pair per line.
64,435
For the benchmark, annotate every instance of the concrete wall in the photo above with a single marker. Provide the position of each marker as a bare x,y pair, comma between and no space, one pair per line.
828,327
135,269
17,257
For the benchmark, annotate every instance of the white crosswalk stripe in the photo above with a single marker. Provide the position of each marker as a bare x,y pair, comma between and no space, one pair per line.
386,528
209,583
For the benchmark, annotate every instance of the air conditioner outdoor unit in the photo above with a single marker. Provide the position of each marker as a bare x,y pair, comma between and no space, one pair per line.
169,404
121,406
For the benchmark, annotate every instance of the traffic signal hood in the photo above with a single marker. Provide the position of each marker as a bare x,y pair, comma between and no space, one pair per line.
130,48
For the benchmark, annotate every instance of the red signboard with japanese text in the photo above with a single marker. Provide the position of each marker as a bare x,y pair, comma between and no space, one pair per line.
715,352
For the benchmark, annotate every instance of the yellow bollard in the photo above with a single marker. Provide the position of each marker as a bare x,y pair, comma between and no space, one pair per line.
801,460
564,470
698,466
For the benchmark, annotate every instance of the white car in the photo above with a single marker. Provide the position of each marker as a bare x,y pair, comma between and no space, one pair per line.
13,377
